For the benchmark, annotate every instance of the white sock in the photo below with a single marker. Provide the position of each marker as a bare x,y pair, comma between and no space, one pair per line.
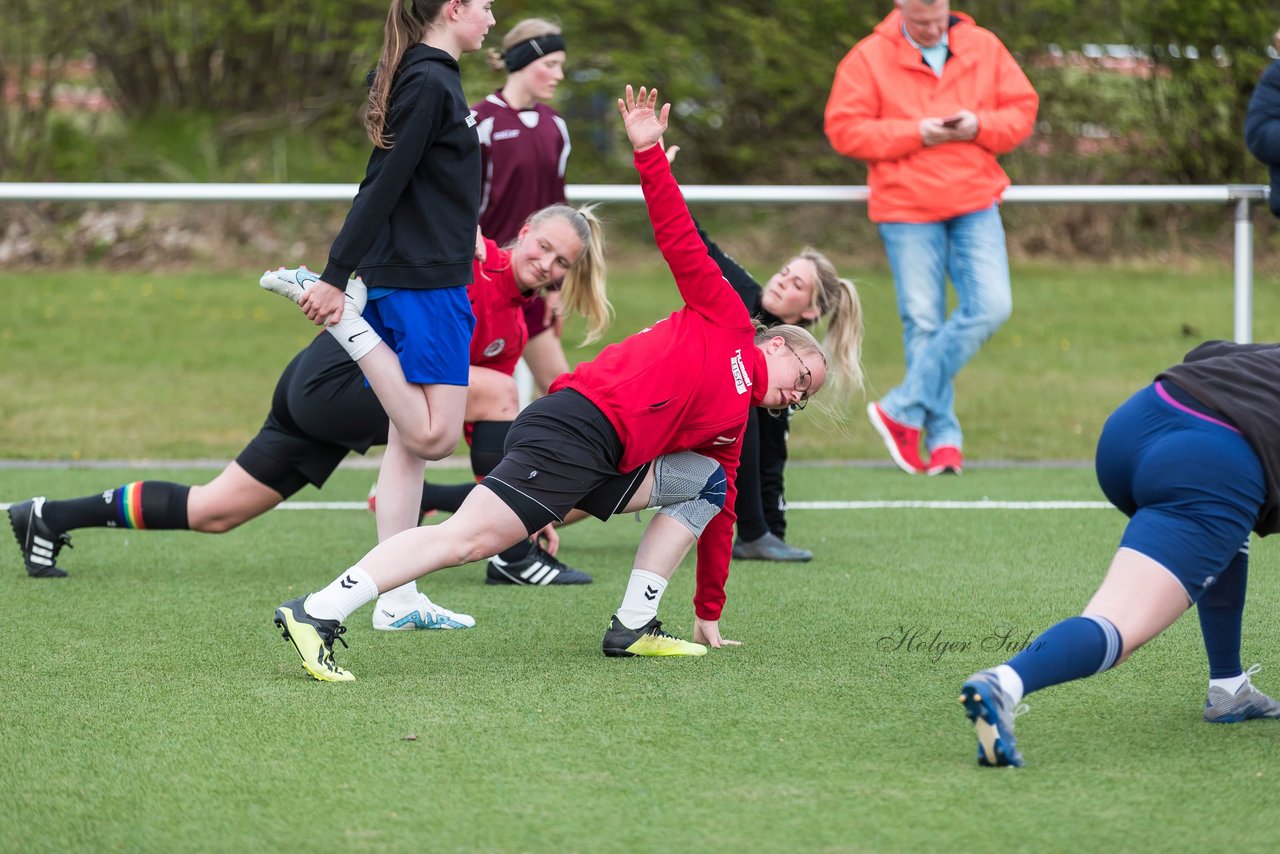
1231,684
357,293
344,594
640,603
354,332
1010,681
405,596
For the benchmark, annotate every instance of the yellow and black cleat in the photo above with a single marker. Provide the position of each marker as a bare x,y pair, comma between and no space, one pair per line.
649,640
313,639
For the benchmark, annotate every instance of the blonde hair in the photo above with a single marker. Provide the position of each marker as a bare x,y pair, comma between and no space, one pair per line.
583,291
838,304
405,27
529,28
798,338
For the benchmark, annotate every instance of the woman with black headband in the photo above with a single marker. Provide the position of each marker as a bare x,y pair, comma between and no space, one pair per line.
524,147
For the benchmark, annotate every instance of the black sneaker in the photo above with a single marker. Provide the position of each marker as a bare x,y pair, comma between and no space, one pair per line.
649,639
39,543
537,567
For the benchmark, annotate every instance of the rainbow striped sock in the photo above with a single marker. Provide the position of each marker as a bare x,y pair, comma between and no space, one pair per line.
127,502
164,508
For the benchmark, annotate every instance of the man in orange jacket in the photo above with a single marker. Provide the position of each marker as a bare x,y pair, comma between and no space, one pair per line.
928,101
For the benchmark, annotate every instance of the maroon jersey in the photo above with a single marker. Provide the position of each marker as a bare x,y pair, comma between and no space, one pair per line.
497,302
523,154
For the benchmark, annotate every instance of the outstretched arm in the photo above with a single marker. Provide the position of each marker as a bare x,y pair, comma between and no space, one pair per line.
697,276
735,274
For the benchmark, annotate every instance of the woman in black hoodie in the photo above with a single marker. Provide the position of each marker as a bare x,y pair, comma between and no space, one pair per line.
411,236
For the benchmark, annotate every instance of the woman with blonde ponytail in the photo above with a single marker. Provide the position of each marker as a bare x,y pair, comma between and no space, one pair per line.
806,292
557,243
410,238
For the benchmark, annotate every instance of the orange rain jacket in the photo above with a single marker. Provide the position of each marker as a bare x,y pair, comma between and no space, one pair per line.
883,88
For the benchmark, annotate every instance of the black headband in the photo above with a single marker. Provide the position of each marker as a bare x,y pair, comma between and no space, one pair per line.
530,50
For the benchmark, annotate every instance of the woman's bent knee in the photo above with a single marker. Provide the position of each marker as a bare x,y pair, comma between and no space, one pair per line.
431,445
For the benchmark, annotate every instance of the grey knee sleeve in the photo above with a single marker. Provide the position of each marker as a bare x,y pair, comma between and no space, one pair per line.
689,488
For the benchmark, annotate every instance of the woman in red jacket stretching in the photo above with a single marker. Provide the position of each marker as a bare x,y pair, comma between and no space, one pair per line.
654,421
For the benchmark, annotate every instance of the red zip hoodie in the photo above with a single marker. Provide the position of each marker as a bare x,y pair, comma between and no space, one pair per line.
688,382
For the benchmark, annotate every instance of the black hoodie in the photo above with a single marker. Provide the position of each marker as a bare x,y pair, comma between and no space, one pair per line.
412,223
1241,382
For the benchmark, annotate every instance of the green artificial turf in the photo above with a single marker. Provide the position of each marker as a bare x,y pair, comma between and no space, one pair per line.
149,704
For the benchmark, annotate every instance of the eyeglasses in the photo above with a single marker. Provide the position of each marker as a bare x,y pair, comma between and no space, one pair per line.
803,382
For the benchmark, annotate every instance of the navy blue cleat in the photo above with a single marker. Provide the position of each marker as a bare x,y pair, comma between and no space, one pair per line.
992,712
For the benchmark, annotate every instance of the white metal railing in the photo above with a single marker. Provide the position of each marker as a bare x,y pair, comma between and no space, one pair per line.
1240,196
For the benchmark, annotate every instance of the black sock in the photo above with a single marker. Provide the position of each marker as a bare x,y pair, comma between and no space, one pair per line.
447,497
518,552
488,439
146,505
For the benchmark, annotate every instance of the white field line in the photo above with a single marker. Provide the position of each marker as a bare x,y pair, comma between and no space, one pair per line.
984,504
805,505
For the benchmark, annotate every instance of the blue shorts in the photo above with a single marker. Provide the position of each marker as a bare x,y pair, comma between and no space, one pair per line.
1190,484
430,330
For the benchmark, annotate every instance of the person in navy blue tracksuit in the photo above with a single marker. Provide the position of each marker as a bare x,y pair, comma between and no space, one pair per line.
1262,128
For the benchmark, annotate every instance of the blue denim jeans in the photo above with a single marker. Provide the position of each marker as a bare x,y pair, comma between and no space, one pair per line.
971,250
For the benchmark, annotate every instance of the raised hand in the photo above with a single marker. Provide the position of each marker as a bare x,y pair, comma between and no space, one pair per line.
645,124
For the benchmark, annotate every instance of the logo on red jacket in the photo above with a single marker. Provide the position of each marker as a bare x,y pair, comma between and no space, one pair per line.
741,379
495,347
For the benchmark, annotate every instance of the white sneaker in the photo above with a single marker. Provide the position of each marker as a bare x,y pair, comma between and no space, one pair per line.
291,284
424,614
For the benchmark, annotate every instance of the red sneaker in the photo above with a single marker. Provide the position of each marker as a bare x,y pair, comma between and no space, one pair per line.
902,441
946,459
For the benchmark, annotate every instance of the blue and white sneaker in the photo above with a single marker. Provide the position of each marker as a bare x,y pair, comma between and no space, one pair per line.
992,712
424,614
293,283
1246,704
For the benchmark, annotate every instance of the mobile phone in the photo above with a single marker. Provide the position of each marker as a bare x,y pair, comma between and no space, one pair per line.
950,123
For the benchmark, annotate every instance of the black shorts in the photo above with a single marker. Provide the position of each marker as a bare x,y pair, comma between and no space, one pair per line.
321,410
563,453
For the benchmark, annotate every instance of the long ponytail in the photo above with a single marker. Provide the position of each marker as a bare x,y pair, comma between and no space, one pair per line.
407,23
841,308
